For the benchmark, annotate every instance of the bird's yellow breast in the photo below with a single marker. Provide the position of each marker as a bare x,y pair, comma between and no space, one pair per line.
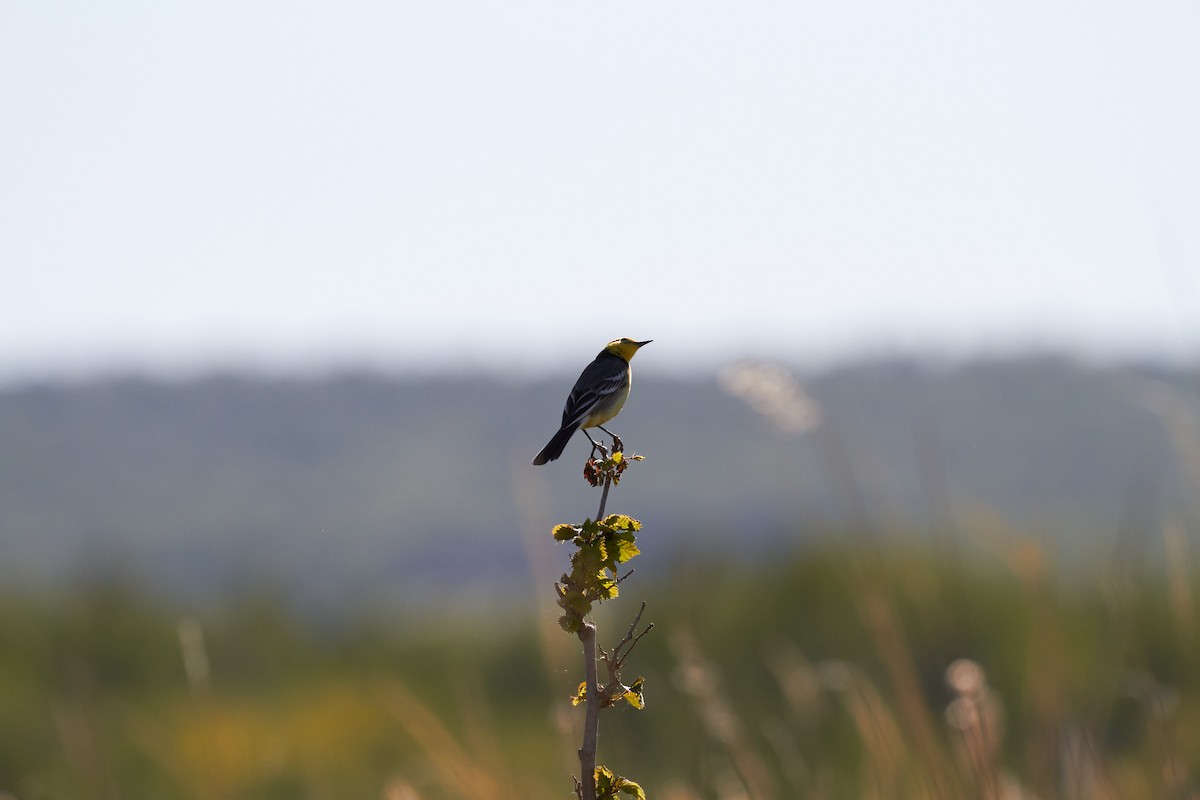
607,408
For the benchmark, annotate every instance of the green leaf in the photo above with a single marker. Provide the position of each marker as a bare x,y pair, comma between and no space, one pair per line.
587,561
633,695
607,589
605,782
627,786
565,532
624,547
578,604
622,522
608,784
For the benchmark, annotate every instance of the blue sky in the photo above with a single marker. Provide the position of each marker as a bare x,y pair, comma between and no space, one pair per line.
444,185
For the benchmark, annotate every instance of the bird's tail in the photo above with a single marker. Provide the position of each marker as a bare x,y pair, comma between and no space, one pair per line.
554,447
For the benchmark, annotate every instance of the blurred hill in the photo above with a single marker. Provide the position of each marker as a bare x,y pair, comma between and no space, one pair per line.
358,487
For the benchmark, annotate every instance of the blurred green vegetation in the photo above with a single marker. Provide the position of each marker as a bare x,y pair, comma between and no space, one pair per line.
826,674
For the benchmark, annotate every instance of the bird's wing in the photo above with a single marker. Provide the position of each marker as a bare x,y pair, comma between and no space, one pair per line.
600,379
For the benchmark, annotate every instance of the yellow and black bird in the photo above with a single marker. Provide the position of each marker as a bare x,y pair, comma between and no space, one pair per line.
597,397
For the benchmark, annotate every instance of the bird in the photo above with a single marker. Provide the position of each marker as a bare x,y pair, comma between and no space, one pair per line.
598,396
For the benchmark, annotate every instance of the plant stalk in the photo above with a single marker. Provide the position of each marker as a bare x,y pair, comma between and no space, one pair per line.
591,720
603,499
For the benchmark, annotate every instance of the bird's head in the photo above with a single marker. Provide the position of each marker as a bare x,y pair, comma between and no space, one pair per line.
625,348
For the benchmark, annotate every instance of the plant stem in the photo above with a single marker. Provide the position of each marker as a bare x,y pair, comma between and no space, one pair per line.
603,499
591,723
591,719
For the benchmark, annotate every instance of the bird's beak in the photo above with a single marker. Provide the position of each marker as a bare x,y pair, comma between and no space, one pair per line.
643,344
